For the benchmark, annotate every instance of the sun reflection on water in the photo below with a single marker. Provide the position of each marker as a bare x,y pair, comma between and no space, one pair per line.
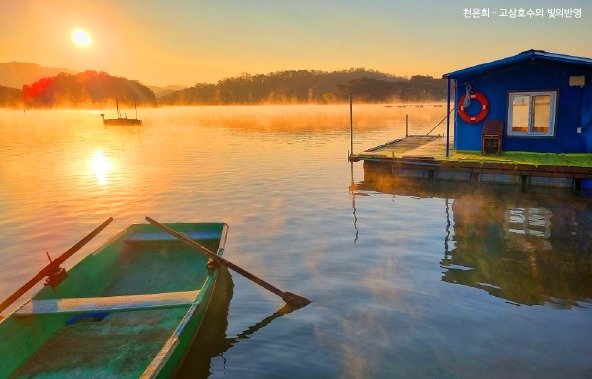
100,167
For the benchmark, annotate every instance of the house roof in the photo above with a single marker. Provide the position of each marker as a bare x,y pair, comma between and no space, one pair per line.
525,55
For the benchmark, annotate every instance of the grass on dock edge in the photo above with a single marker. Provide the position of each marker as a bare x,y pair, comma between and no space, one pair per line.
514,157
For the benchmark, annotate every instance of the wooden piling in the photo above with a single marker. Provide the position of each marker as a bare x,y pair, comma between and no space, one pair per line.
406,125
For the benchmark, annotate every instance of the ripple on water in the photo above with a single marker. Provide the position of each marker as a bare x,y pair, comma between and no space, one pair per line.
406,280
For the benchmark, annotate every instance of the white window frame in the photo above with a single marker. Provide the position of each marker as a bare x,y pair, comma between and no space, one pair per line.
530,132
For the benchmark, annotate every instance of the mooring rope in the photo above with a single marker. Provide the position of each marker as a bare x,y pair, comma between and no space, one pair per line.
428,133
467,101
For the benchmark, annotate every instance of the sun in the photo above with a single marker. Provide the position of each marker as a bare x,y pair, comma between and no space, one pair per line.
81,38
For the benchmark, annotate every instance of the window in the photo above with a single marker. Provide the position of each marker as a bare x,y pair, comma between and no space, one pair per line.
531,113
528,221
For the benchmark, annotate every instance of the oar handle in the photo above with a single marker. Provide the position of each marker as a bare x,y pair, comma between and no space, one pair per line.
217,258
251,276
53,266
288,297
62,258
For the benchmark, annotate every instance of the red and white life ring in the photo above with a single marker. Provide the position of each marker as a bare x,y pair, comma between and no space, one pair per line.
462,112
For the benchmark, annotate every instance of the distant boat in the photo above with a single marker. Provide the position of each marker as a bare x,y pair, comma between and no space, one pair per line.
124,121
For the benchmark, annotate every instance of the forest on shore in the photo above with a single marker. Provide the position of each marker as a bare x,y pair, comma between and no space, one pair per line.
99,89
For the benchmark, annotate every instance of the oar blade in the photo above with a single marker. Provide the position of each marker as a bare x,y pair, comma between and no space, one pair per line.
295,301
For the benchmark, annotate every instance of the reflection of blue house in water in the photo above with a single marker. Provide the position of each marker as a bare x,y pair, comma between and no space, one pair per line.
517,249
530,248
543,99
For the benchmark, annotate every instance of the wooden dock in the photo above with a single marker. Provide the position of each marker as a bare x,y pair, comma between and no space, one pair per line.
411,146
425,157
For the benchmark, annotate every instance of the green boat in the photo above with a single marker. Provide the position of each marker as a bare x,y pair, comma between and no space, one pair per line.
131,308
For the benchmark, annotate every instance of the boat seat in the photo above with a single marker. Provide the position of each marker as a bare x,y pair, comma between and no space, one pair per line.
143,237
108,304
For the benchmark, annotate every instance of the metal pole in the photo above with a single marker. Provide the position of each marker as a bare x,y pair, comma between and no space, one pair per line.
351,125
448,122
406,125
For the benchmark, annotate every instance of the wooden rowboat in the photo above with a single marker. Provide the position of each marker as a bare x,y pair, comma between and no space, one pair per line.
131,308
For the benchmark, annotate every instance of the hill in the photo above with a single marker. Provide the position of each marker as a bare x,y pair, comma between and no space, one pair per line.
311,86
17,74
89,88
10,97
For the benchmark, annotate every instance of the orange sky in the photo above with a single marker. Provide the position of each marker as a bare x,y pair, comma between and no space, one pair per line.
185,42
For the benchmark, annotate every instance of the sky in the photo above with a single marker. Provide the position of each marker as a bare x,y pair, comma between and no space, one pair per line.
186,42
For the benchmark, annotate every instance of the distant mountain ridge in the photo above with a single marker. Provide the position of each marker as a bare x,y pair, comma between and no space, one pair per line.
17,74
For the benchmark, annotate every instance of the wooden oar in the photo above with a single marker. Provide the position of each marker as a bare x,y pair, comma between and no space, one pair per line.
290,298
53,266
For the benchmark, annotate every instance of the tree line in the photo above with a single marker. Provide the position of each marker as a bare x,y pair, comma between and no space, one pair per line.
310,86
98,89
10,97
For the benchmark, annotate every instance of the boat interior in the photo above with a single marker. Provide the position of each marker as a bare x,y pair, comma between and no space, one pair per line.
116,308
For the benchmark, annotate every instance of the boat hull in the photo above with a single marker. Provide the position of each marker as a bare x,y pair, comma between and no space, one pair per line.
185,339
121,121
133,341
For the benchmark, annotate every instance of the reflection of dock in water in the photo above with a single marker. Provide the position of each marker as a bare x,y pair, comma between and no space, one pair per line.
211,340
530,248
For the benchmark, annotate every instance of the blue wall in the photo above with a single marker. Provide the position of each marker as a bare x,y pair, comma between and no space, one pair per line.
534,75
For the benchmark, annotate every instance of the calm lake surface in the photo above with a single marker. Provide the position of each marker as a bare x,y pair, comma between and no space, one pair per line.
407,278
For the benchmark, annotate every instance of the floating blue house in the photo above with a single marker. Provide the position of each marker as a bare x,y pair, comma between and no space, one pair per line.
540,101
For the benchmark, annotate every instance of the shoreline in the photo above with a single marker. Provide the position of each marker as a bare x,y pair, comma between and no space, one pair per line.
435,103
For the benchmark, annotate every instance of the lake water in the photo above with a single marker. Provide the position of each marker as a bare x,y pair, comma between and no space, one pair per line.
407,278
